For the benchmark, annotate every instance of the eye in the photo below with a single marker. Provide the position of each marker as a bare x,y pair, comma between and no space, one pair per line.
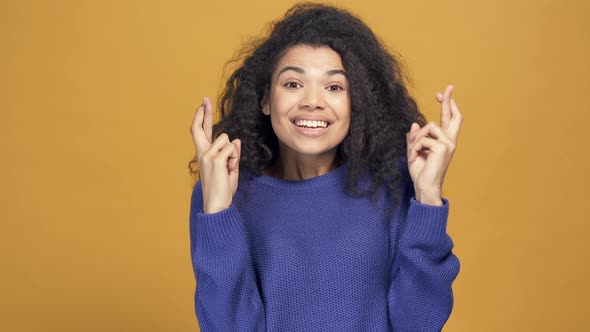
292,85
335,87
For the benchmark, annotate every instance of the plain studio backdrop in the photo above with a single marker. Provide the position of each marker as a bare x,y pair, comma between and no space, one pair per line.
97,98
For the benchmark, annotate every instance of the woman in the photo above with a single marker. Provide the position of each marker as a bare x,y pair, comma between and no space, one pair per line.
318,205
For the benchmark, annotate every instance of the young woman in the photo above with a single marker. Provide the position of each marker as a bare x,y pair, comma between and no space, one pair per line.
319,203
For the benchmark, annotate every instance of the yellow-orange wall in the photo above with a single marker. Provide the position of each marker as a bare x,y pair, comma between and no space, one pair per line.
96,101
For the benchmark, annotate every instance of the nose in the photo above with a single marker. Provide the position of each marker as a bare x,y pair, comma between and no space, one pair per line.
312,99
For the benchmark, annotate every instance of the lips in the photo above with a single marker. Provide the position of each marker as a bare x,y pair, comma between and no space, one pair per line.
311,124
311,132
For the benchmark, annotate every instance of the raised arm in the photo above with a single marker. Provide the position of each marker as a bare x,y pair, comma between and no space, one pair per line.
226,295
424,267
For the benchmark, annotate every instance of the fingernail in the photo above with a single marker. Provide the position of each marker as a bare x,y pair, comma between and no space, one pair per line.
205,101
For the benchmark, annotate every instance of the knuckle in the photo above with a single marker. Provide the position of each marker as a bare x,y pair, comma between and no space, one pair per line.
223,137
220,161
229,148
206,158
204,163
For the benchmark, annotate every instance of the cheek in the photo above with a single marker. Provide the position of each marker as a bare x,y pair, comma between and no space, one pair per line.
342,108
279,116
281,107
282,102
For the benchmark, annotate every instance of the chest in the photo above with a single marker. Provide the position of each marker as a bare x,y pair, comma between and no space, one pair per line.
347,238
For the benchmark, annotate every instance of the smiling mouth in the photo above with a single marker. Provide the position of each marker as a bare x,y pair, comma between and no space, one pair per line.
311,124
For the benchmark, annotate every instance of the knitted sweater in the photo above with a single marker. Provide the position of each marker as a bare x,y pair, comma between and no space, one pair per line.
307,256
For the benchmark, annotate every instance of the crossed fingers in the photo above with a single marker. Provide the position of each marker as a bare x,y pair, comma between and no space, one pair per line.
431,137
202,127
450,117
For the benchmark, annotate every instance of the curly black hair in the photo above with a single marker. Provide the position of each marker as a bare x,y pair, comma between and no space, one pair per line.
382,110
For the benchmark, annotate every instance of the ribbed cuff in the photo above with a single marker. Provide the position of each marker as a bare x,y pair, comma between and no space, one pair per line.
427,222
219,230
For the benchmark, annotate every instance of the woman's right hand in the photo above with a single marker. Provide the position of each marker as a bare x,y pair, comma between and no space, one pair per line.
219,161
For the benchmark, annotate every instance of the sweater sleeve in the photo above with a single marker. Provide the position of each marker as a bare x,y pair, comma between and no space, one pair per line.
226,295
420,294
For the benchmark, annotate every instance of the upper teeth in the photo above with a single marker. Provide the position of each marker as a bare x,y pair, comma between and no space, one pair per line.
308,123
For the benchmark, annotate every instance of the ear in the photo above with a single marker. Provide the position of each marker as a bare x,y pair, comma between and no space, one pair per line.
264,105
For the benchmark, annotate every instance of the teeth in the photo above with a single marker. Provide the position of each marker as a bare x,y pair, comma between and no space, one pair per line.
312,124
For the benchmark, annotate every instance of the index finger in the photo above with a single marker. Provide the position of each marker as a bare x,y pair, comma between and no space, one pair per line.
455,123
445,115
208,121
197,132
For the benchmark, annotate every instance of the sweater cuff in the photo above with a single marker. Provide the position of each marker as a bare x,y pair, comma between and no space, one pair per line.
219,230
427,222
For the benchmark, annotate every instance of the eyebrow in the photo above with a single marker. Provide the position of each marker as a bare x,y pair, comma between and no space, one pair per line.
301,71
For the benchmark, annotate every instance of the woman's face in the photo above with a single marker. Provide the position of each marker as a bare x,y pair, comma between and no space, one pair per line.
309,102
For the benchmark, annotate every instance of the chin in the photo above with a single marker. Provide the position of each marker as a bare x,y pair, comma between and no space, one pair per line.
309,150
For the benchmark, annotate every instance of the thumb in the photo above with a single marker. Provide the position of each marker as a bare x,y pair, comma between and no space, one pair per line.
239,147
238,144
234,162
234,172
413,129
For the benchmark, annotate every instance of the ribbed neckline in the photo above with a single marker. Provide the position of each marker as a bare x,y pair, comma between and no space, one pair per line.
335,176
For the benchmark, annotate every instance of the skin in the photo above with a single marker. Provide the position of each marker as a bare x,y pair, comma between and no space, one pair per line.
430,149
307,81
313,86
218,161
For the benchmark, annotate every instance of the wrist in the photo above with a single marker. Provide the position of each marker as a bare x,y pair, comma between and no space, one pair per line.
213,209
429,198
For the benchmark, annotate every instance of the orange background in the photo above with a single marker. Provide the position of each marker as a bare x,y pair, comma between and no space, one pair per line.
97,98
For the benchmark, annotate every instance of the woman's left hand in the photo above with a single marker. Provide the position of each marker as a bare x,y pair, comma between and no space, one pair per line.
431,148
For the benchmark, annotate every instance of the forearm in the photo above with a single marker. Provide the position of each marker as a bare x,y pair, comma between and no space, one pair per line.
226,295
421,297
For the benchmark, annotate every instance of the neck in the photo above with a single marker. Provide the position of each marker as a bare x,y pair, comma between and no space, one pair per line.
302,167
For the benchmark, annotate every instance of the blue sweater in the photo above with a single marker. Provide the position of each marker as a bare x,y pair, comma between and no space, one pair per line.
307,256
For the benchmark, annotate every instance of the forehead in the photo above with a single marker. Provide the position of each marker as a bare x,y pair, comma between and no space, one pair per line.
306,56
